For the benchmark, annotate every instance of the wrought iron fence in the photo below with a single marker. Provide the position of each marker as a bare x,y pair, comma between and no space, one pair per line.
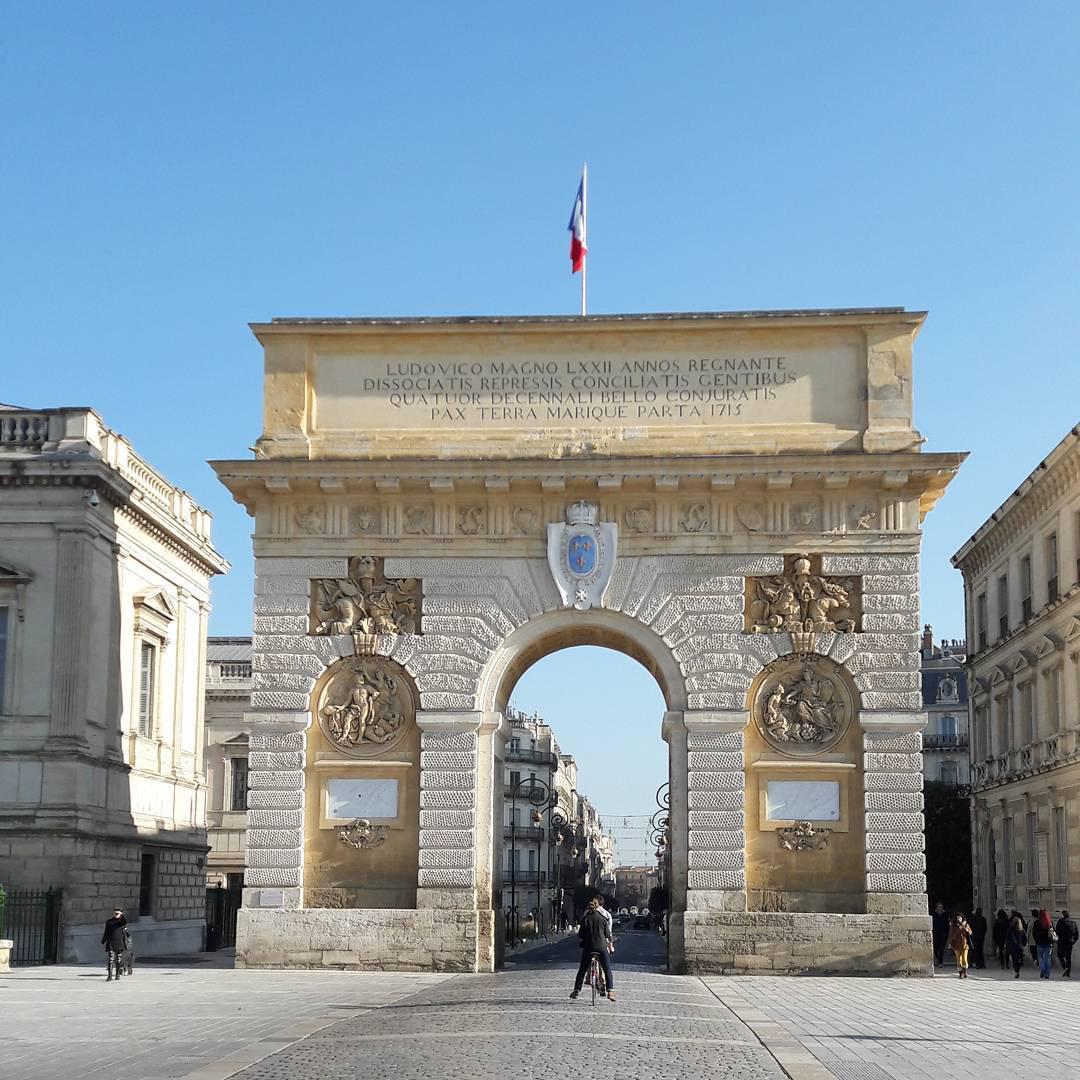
30,918
222,905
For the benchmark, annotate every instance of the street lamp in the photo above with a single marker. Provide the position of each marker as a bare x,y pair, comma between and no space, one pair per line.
538,795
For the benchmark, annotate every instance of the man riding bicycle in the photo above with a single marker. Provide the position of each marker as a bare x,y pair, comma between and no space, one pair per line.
595,937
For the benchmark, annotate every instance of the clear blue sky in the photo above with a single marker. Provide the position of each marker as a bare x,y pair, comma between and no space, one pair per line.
170,173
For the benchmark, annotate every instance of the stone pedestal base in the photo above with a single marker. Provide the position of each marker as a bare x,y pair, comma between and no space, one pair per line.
5,953
365,939
739,943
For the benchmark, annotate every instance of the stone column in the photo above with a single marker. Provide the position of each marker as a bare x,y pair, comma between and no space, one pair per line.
275,833
893,779
716,877
71,617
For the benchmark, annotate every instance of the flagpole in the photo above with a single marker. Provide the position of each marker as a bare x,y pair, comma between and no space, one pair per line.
584,230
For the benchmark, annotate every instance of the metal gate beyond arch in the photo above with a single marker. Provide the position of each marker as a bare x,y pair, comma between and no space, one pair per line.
222,905
30,918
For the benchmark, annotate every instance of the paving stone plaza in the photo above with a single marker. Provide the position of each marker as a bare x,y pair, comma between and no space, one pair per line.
209,1022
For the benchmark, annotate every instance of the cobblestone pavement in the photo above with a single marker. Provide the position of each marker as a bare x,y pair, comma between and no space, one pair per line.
198,1020
987,1027
521,1023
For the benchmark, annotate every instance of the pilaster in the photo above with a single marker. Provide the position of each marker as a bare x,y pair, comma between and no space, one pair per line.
72,615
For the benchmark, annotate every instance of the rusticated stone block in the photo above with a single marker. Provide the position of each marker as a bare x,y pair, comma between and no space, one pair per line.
887,761
903,821
726,820
714,781
447,759
893,781
715,740
274,838
272,877
447,819
894,801
717,840
447,879
716,800
884,841
442,858
731,859
895,883
448,740
276,799
275,760
869,564
275,819
895,862
712,761
460,799
884,741
716,879
273,857
276,740
447,838
281,781
446,780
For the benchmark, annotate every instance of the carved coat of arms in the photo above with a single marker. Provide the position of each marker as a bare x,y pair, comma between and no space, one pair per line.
581,554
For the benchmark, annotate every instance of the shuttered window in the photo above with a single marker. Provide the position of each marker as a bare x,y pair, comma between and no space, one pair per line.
147,664
238,793
3,654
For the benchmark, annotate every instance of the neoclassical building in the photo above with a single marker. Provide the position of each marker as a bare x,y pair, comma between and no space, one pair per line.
735,500
1022,593
104,600
945,698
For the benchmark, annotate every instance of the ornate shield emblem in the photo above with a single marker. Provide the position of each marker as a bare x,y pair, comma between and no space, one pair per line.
581,554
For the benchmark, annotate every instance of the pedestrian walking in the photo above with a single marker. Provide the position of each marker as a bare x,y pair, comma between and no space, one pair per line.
1015,942
116,941
1067,935
940,927
1000,931
1043,937
1032,947
960,942
978,938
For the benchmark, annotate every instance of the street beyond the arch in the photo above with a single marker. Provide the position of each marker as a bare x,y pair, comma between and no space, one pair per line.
520,1022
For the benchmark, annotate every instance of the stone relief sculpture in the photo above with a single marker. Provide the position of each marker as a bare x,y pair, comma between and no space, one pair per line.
310,519
695,518
802,836
366,602
525,520
364,519
367,706
417,520
801,706
863,517
750,516
638,519
800,600
471,519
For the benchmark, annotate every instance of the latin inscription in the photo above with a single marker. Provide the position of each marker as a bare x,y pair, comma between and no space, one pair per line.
558,392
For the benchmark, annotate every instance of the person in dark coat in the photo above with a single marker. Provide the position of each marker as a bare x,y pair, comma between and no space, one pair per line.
1000,932
1032,947
115,939
1016,942
978,938
1067,936
595,938
940,920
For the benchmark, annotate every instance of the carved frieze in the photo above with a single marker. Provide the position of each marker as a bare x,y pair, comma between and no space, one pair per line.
471,519
310,519
802,600
802,706
417,519
803,836
367,706
525,520
366,602
694,517
364,519
638,519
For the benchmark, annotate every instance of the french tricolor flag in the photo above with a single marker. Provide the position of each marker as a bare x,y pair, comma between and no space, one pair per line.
578,248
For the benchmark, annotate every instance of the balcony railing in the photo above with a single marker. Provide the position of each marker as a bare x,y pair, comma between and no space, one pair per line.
526,877
945,742
533,757
525,833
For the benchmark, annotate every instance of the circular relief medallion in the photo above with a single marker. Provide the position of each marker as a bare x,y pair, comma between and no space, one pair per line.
802,706
367,706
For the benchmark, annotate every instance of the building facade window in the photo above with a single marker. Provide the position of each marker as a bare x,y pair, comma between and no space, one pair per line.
147,679
1031,821
1008,844
238,783
1051,568
1027,713
1003,605
980,621
947,725
1003,735
1025,588
147,882
1061,847
949,773
5,623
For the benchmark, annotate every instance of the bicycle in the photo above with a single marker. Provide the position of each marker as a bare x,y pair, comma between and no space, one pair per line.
594,976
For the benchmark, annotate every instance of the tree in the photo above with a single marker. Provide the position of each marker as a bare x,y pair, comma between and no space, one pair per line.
948,845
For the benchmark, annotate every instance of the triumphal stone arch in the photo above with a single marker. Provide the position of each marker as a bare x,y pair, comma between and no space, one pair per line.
735,500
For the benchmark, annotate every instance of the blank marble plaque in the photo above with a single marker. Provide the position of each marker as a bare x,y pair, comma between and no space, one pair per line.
802,800
348,799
